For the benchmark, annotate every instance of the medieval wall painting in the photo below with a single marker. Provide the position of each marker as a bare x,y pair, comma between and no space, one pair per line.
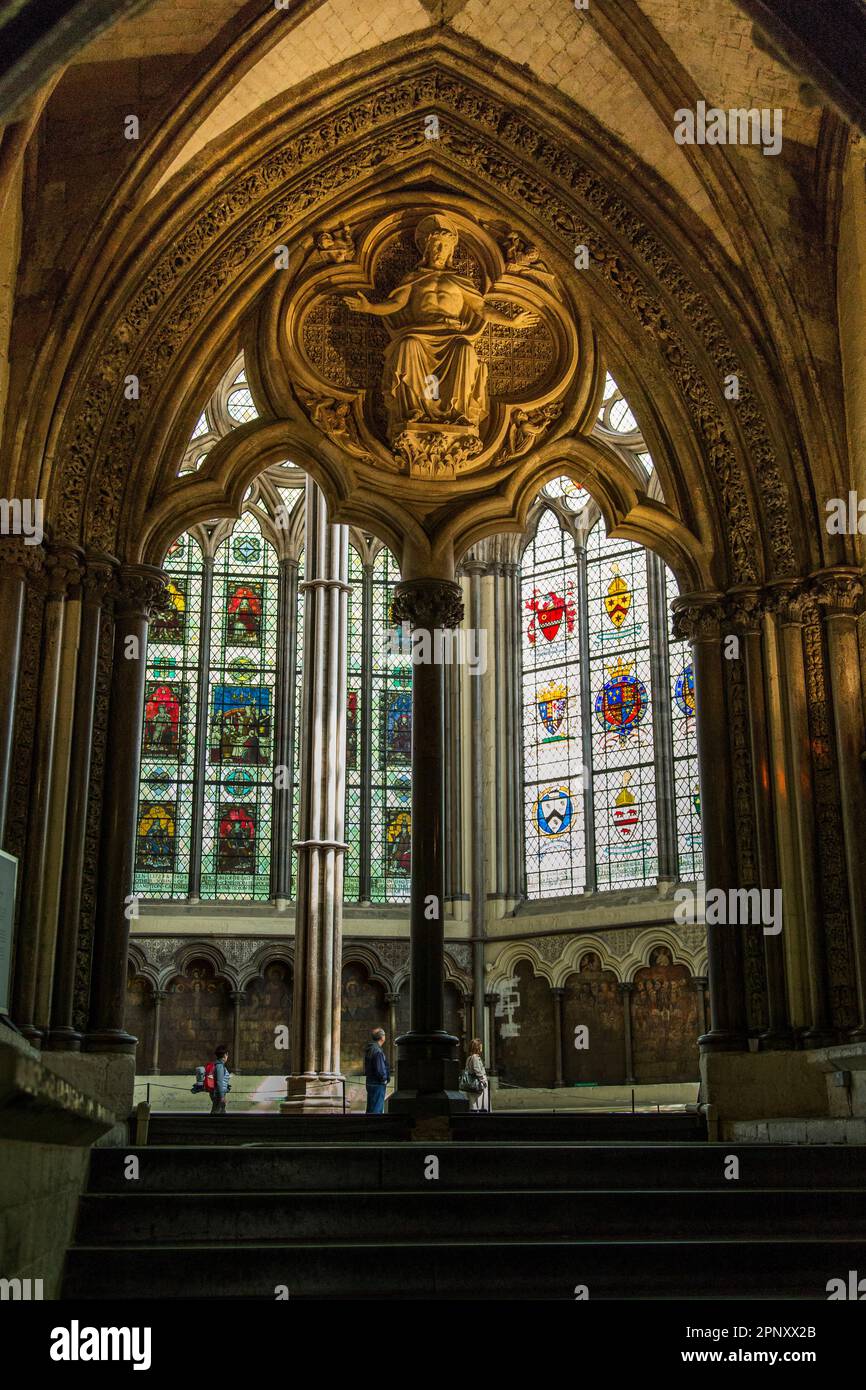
266,1007
664,1016
592,1000
196,1017
363,1009
524,1049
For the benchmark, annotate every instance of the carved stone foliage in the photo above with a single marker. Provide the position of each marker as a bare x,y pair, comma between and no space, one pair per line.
831,858
428,603
497,148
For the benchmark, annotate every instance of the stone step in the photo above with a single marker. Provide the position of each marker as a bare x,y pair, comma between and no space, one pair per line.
170,1127
760,1269
364,1167
434,1216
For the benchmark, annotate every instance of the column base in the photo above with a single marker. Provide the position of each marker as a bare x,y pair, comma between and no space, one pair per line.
110,1040
427,1077
818,1037
313,1093
776,1042
31,1033
63,1040
718,1041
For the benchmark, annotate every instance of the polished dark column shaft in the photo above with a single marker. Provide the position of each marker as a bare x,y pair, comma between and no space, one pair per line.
94,587
139,592
427,1065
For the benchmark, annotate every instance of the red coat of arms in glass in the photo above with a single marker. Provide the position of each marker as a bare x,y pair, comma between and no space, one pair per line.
548,611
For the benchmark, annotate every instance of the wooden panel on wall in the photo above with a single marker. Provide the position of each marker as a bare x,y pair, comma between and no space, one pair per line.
197,1016
364,1008
527,1057
592,1000
267,1006
664,1021
140,1020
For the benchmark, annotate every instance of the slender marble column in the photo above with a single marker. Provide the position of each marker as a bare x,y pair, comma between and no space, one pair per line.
840,594
238,999
748,613
392,1000
796,610
427,1065
699,619
140,591
61,570
626,990
95,587
700,983
18,564
202,729
158,996
557,997
281,873
315,1083
491,1001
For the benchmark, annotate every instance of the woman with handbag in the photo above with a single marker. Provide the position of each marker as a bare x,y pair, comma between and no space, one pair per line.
477,1075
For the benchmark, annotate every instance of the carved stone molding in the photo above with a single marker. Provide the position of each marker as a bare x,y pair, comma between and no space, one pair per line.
497,147
428,603
839,592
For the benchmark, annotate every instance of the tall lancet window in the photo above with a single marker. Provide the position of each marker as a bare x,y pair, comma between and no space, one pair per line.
379,736
219,751
612,798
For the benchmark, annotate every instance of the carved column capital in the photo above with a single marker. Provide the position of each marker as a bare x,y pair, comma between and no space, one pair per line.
746,609
21,560
428,603
62,570
838,591
699,617
140,590
96,579
626,987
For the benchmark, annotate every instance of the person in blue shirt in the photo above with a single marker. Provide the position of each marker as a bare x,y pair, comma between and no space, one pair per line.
222,1081
376,1072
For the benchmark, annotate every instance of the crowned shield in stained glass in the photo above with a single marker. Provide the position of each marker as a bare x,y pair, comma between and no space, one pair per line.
622,702
552,705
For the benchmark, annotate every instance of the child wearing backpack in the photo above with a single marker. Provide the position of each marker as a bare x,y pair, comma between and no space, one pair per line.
215,1080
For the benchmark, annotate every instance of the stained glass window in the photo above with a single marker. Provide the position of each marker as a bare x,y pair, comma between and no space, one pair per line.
595,636
687,789
623,771
378,739
552,714
241,709
162,847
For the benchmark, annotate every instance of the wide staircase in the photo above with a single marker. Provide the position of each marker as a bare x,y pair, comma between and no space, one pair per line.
512,1207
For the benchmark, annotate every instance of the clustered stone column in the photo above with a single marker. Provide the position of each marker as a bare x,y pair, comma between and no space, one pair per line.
315,1083
701,620
806,736
140,591
19,564
427,1065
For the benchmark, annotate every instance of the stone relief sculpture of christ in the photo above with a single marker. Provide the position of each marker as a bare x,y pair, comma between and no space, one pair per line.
432,376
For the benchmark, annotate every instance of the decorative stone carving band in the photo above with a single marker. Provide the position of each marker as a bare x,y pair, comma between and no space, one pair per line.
700,621
24,561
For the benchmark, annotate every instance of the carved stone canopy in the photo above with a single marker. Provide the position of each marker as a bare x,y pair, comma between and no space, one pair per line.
424,346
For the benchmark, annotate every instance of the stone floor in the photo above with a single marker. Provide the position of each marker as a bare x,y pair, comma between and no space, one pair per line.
264,1093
